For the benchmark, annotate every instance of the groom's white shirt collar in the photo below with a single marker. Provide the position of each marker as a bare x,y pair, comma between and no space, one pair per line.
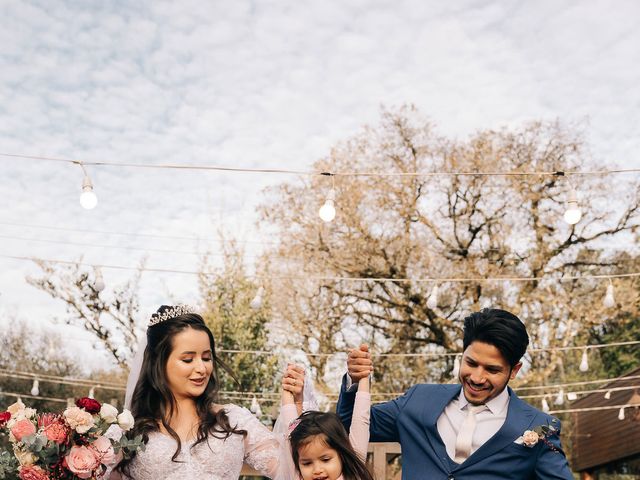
496,405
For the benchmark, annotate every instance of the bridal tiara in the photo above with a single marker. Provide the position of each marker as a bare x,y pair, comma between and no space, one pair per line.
170,313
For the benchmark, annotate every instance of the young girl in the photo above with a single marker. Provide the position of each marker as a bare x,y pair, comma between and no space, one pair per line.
320,447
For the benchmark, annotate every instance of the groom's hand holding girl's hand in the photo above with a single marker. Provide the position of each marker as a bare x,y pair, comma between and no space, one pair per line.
359,364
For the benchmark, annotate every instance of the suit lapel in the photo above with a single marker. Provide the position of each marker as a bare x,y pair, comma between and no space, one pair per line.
431,412
519,418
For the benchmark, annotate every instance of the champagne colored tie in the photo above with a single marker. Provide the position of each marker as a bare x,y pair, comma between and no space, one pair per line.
465,434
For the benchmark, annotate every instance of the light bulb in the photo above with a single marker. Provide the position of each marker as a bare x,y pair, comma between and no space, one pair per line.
609,300
573,214
327,211
559,398
35,390
456,367
432,301
254,405
88,199
258,412
621,414
545,405
91,392
99,283
607,395
584,363
571,396
256,303
52,349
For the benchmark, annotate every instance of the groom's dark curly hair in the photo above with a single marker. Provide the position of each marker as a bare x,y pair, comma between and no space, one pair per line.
499,328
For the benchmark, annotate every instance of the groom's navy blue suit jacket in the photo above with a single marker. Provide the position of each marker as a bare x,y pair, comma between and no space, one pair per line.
412,421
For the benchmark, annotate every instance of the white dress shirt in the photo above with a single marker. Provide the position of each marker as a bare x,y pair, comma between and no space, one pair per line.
488,422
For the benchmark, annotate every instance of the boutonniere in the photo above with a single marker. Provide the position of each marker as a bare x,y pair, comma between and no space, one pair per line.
530,438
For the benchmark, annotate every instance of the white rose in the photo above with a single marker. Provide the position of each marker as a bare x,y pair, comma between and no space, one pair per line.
29,412
114,432
109,413
24,457
24,414
15,407
125,420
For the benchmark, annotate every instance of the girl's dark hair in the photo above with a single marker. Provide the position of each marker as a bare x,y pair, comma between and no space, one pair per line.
327,426
153,402
499,328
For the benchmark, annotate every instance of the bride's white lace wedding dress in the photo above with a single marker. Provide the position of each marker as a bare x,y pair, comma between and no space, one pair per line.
214,459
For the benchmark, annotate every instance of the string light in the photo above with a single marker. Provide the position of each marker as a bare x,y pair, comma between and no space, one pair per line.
609,299
573,214
590,409
88,198
545,405
99,283
432,301
607,395
256,303
554,173
559,398
255,407
91,393
52,350
456,367
327,211
334,278
584,363
35,388
621,414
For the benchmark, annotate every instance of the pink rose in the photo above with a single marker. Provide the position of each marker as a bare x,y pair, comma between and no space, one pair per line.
23,428
33,472
104,450
56,432
530,438
82,461
78,419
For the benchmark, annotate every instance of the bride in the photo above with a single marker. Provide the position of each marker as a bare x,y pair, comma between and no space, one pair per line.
188,434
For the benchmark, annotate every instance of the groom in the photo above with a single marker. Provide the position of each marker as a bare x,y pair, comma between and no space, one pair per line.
472,430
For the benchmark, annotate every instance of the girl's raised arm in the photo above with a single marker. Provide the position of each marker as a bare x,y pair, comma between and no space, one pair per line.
359,431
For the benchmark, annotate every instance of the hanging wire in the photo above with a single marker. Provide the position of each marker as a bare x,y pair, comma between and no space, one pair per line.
496,173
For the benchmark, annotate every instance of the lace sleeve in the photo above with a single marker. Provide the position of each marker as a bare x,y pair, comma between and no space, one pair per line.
261,447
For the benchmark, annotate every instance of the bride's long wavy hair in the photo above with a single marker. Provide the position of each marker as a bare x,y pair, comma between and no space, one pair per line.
153,403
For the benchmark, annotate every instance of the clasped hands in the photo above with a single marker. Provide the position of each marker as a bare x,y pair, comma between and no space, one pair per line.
359,367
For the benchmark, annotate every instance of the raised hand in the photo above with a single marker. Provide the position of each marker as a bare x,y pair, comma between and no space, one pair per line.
292,384
359,364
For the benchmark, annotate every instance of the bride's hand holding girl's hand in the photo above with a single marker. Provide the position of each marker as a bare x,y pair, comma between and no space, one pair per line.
293,385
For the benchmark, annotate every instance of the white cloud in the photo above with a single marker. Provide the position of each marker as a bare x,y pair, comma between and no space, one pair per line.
258,84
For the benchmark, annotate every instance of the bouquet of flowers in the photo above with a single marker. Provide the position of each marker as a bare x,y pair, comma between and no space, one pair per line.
84,442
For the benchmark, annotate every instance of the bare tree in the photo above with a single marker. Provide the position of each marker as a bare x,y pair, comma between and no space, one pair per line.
404,227
108,315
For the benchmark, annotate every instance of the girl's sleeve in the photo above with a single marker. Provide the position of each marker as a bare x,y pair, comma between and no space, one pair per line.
359,431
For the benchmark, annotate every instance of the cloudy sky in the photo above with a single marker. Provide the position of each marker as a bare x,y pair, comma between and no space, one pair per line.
263,85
